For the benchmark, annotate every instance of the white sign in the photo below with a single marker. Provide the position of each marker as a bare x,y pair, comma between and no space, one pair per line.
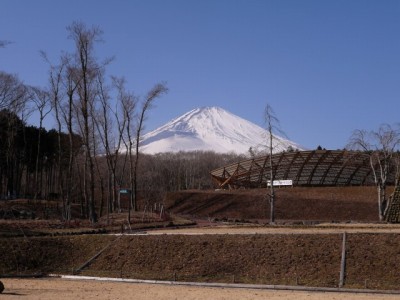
287,182
124,191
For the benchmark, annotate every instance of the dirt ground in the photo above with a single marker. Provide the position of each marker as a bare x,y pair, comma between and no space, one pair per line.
301,256
303,249
31,289
325,228
293,205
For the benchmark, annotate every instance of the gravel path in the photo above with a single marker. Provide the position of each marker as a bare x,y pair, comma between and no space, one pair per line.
60,289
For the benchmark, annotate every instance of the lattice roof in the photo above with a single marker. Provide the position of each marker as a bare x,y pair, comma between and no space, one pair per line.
304,168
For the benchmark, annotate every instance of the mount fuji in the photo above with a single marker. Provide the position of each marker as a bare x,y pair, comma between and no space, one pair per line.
211,129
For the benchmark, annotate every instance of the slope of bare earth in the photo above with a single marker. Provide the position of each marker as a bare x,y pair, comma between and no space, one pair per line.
283,259
319,204
286,255
297,204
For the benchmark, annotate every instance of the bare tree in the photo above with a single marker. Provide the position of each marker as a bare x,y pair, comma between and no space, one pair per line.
86,70
67,111
270,119
56,96
381,146
103,125
13,93
96,135
272,125
111,139
128,105
157,91
41,100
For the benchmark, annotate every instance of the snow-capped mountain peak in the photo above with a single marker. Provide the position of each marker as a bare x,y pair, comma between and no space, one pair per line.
210,129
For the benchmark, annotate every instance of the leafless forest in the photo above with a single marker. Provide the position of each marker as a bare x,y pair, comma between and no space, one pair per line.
94,150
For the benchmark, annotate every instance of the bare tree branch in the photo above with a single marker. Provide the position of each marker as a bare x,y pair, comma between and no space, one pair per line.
381,146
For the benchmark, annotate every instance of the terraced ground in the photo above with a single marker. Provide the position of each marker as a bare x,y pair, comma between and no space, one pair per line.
303,249
283,259
293,205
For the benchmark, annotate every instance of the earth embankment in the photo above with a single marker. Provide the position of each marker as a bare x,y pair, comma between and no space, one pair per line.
319,204
294,259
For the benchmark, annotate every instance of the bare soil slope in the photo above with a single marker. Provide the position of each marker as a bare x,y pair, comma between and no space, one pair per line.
274,258
339,204
289,259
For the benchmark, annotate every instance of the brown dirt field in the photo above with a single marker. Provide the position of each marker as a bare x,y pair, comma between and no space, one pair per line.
43,289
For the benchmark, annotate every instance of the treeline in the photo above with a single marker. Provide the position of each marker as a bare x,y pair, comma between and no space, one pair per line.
28,170
180,171
94,150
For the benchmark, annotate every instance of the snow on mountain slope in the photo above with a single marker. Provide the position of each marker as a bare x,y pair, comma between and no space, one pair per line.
210,129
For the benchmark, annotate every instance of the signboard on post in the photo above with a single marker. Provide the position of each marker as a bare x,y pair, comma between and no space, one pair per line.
125,191
124,194
287,182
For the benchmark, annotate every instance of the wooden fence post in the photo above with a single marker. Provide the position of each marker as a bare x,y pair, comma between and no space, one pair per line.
343,262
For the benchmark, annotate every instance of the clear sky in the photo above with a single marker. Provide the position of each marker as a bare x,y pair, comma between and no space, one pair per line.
327,67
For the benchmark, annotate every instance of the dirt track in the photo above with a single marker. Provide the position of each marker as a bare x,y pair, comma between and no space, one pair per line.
31,289
319,229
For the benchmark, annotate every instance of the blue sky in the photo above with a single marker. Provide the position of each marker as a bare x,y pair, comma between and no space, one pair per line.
327,67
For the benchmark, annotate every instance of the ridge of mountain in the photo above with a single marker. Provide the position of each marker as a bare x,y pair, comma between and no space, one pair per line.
211,129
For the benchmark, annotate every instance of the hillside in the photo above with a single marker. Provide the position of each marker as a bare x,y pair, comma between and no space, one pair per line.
282,259
297,204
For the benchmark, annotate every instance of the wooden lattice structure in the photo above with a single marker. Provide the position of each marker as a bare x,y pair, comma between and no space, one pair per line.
303,168
392,214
